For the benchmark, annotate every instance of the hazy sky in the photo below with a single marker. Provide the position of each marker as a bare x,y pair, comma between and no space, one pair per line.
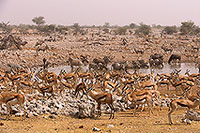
89,12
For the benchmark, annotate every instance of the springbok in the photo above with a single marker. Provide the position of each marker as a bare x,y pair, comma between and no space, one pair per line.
10,99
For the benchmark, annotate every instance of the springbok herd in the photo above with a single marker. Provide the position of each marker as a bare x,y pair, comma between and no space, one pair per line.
137,88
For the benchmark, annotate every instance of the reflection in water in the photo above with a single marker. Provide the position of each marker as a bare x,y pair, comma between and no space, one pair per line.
166,69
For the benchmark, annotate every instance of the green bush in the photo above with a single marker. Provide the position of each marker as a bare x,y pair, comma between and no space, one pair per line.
197,30
144,29
76,28
187,27
22,28
61,28
106,25
170,30
121,30
106,30
47,28
39,20
132,25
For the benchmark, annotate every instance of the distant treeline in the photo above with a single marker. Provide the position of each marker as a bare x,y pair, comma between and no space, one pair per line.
186,28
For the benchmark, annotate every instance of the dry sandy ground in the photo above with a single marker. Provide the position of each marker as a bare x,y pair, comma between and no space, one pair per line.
123,122
76,46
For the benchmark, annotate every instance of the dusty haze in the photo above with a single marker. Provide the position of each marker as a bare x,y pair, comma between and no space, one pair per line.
89,12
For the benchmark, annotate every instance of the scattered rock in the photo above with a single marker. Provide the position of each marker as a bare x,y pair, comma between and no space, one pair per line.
192,115
157,122
19,114
52,117
81,126
45,117
68,105
1,124
110,126
96,129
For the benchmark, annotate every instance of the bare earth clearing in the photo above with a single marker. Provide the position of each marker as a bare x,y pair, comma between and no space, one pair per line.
97,45
124,122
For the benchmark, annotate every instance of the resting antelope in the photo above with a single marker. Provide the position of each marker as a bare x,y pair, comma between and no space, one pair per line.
183,103
10,99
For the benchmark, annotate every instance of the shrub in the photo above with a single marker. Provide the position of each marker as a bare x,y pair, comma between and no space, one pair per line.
106,25
144,29
132,25
61,28
187,27
23,28
76,28
197,30
121,31
106,30
39,20
47,28
170,30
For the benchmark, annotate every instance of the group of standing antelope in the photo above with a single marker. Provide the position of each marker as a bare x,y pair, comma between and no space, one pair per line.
137,88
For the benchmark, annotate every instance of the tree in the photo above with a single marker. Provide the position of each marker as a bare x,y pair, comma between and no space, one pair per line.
6,27
39,20
132,25
106,30
106,25
187,27
197,30
61,28
156,26
121,30
76,27
47,28
170,30
144,29
22,28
